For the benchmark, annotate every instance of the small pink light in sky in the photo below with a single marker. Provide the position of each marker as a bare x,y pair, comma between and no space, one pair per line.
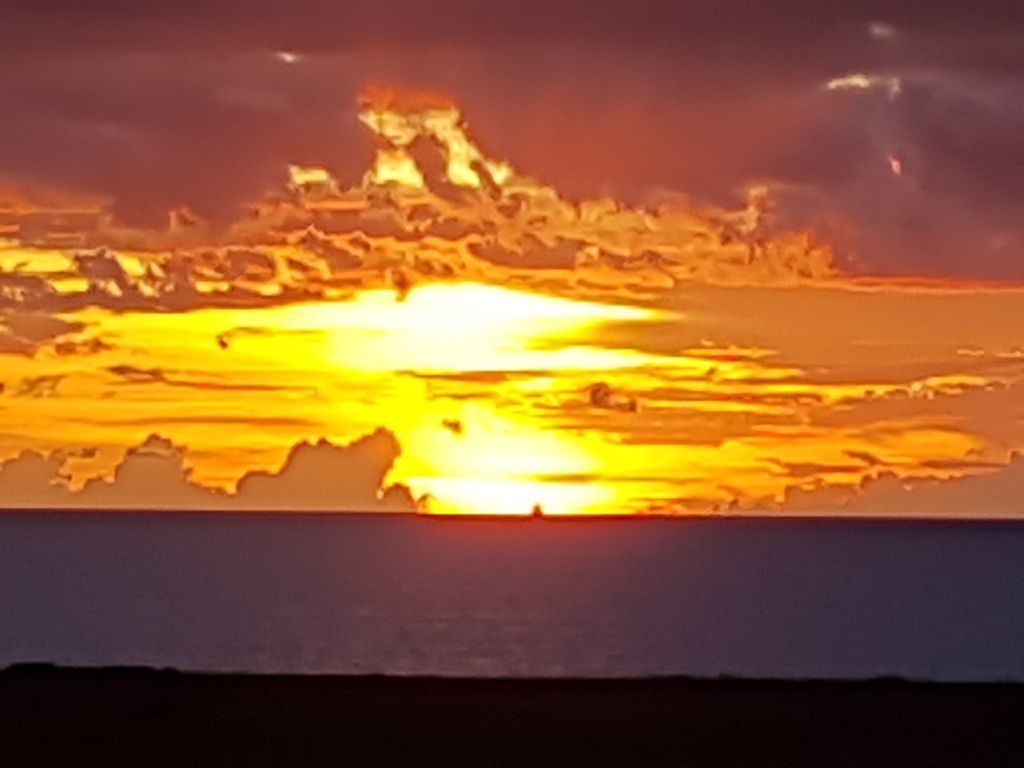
879,30
896,165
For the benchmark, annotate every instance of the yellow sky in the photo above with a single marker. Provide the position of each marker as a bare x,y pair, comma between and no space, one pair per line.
521,349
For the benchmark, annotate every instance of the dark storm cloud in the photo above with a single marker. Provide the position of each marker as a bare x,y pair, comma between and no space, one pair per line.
955,208
164,104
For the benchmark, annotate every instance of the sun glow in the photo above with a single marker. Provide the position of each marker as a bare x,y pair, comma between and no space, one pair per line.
374,359
507,347
450,327
500,399
496,462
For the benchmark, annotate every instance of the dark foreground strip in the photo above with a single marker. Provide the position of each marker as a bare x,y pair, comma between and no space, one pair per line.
52,716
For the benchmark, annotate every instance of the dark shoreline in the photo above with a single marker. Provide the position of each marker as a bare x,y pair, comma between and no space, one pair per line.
139,716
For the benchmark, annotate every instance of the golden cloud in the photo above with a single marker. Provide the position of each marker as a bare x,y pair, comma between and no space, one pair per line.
589,356
433,205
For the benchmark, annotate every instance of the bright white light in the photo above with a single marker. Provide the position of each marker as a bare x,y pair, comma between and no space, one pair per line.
860,81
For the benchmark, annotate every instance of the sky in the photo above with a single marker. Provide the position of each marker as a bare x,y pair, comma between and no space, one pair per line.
440,257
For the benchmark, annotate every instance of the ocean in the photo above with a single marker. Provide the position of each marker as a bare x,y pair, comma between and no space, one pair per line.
402,595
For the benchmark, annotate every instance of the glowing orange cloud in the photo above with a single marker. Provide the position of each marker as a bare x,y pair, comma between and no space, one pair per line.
520,348
384,97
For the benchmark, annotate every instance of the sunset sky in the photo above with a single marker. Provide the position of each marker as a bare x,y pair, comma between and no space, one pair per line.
462,257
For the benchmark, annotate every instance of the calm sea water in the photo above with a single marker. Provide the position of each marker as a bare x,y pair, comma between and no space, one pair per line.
402,595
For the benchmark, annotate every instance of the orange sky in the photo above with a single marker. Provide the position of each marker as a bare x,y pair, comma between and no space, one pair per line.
449,334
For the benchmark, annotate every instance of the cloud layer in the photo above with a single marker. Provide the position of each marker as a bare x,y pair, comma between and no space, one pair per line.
530,307
707,97
431,206
318,477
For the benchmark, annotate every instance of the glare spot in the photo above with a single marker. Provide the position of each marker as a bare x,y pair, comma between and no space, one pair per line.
860,81
879,30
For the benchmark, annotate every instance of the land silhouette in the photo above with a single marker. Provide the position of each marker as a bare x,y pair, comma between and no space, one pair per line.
156,718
